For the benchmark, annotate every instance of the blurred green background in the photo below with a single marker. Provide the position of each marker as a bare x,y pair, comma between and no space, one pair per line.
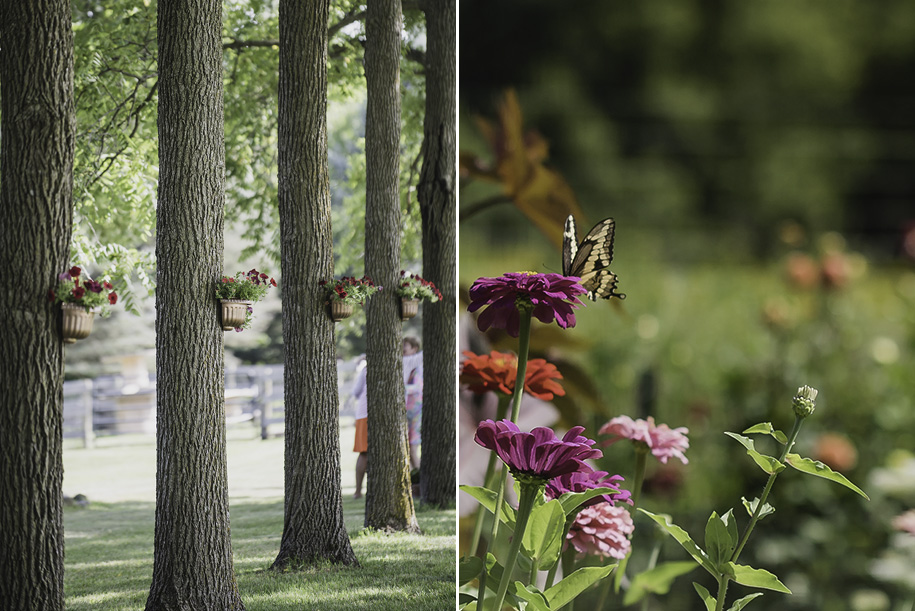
759,160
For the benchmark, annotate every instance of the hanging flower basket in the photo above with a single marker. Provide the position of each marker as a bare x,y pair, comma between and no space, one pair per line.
234,312
408,308
343,295
340,310
80,298
76,322
236,295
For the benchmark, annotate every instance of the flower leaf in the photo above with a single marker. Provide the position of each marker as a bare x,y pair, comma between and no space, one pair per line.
720,538
536,601
469,569
572,500
467,602
684,540
751,507
566,590
487,498
743,602
657,580
542,538
815,467
768,464
706,597
767,429
756,578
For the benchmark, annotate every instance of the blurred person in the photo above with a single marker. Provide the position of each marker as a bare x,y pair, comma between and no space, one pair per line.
361,444
413,384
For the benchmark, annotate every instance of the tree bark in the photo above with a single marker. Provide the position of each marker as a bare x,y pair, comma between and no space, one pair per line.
389,500
437,207
37,126
192,564
313,529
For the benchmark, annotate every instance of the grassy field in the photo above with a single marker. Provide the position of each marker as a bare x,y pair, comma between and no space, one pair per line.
109,544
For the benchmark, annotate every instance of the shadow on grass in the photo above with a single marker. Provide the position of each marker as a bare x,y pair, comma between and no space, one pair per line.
109,555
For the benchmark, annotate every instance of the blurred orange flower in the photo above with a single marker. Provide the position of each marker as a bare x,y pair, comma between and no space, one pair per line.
497,371
837,451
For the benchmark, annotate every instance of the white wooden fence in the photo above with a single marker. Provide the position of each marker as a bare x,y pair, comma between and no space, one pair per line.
253,395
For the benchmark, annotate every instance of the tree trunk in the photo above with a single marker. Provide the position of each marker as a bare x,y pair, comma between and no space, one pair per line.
192,564
437,207
36,215
388,499
313,529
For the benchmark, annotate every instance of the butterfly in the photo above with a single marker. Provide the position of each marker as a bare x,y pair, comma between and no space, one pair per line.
590,258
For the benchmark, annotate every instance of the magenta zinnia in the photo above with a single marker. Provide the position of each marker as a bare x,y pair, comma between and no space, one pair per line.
539,453
579,481
663,441
551,296
602,530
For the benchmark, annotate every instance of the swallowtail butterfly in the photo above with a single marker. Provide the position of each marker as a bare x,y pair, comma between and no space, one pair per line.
590,258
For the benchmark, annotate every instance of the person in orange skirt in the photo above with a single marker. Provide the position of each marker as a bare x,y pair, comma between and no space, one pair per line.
362,428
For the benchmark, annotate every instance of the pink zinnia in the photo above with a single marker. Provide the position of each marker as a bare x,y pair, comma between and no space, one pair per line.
581,482
663,441
553,297
602,530
538,453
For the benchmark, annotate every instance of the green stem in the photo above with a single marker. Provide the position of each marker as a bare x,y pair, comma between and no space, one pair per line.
652,562
524,343
478,524
641,465
551,575
488,482
568,567
722,592
503,482
765,495
535,567
529,494
525,340
496,519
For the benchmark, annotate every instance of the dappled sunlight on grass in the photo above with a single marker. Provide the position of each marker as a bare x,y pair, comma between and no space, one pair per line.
110,553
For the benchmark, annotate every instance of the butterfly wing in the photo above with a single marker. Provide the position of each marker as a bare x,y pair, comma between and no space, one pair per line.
591,260
569,245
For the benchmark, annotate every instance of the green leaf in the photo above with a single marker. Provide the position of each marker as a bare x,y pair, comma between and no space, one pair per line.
718,541
757,578
542,538
471,606
572,500
566,590
684,540
815,467
487,498
767,429
768,464
464,599
656,581
469,569
536,601
706,596
751,507
743,602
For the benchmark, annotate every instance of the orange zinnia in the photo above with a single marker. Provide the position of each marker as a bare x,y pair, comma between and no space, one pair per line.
497,371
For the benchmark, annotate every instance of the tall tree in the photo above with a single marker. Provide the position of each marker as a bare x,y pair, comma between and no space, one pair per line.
437,207
389,500
192,565
313,528
36,210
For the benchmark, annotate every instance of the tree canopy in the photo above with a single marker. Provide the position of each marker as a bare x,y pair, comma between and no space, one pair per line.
116,171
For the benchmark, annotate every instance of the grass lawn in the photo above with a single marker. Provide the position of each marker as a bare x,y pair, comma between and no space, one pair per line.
109,545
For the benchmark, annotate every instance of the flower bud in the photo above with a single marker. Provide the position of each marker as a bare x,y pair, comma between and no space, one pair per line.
804,402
